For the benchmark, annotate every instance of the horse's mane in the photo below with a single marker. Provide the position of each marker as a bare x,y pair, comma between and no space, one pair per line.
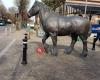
43,5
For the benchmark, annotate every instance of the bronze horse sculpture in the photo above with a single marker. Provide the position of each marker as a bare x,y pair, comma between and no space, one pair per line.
55,25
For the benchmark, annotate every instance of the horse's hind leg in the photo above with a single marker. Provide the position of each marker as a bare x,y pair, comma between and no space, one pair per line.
85,50
54,40
74,39
45,37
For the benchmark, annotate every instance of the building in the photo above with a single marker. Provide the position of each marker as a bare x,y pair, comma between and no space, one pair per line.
85,6
85,0
88,8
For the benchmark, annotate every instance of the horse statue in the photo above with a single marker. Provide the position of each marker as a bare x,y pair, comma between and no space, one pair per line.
55,25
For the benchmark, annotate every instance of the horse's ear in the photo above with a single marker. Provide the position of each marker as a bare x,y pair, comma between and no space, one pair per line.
36,0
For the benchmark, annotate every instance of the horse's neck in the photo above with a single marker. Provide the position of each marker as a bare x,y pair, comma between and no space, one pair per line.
43,15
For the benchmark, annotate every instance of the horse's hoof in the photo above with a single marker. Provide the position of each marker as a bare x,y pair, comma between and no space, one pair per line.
24,62
84,55
46,50
67,51
54,54
93,48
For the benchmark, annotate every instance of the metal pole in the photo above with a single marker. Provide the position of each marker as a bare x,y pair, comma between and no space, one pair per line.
24,56
85,8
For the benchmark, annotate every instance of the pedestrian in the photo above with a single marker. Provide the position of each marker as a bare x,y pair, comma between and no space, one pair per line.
95,40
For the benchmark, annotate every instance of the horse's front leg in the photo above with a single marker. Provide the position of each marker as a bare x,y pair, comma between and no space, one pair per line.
74,39
54,40
45,37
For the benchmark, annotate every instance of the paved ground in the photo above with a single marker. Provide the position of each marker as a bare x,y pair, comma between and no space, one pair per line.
47,67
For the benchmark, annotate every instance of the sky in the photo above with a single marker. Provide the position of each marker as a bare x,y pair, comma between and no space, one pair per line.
10,3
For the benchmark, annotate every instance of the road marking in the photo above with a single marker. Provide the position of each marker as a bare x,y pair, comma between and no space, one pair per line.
7,48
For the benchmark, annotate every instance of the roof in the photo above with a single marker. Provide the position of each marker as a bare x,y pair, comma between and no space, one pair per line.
92,7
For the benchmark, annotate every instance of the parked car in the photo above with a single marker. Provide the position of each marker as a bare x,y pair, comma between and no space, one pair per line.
9,21
31,28
2,22
31,25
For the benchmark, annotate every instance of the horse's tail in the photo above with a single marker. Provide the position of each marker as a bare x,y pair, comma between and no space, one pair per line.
89,32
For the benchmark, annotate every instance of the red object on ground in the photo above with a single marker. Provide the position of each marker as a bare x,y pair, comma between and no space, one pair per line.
40,50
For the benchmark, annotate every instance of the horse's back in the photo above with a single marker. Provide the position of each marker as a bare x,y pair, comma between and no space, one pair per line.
73,23
65,25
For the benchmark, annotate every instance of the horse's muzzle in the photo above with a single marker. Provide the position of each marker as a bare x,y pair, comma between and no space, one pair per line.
28,15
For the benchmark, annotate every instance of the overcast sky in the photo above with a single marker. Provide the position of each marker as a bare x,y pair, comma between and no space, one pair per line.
10,3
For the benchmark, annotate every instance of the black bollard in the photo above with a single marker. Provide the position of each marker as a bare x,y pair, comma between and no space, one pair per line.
24,56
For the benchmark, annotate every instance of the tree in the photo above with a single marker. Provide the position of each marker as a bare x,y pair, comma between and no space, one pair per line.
6,14
3,11
11,13
22,7
53,4
12,10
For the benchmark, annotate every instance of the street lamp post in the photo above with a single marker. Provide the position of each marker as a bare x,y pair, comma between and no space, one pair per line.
85,8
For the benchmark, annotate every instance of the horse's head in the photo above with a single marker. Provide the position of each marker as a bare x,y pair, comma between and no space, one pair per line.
34,9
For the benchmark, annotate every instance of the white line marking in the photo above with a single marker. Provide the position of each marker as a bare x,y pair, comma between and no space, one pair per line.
7,48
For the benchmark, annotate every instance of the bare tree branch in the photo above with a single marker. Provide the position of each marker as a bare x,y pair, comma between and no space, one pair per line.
53,4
